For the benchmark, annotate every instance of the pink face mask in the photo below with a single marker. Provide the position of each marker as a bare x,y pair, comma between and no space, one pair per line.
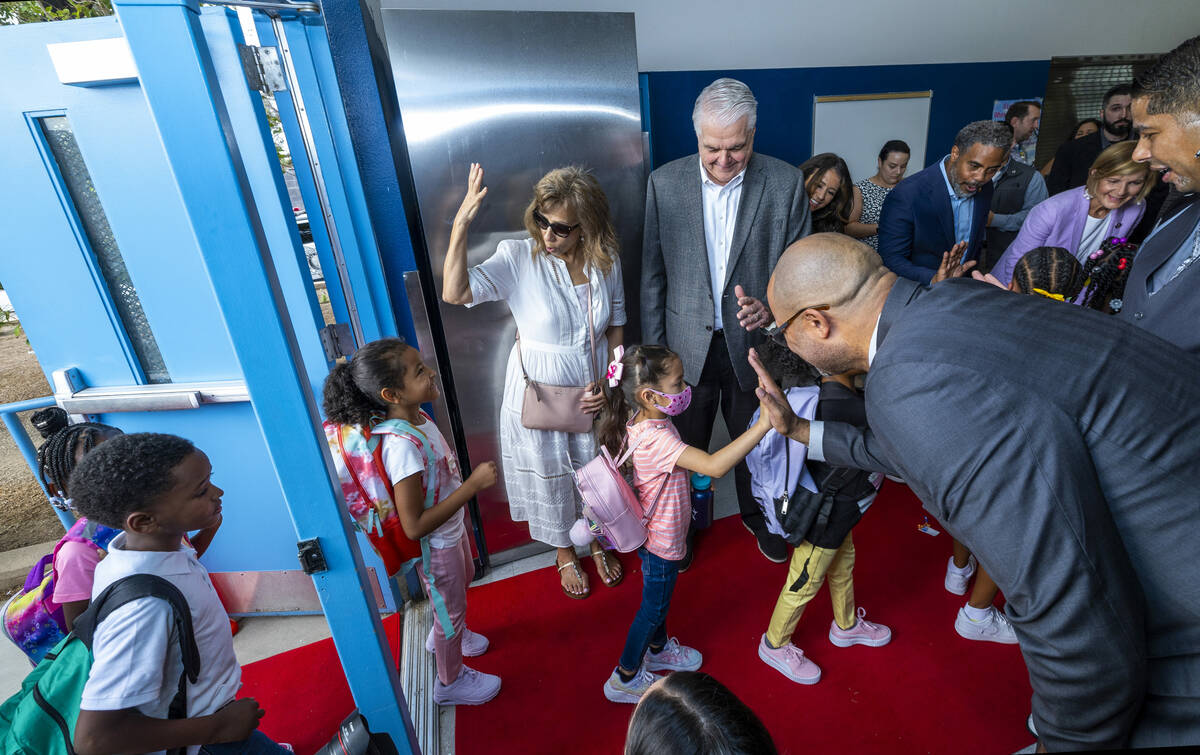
678,401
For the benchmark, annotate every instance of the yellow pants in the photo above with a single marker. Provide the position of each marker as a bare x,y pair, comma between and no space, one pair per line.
838,566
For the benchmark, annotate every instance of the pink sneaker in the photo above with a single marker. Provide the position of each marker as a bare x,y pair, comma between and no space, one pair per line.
473,644
862,633
470,688
789,660
673,657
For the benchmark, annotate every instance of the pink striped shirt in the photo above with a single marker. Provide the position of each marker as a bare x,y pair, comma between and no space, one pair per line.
658,448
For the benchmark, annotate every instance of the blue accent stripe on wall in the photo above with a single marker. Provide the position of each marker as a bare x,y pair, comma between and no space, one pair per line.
962,92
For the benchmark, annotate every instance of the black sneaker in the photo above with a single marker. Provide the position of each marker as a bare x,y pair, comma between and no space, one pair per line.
686,562
773,547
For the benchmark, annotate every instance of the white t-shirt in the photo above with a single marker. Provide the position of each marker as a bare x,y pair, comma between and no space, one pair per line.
1093,236
402,458
136,654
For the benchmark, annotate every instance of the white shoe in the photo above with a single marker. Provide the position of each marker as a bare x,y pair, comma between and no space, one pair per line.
470,688
673,657
1029,725
473,643
630,691
957,579
995,628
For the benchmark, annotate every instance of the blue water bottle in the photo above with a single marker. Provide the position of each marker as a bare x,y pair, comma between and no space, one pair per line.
702,501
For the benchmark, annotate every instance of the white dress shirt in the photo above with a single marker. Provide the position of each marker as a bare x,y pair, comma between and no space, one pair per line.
720,214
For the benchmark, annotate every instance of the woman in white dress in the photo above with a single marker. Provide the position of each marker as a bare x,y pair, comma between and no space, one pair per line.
547,279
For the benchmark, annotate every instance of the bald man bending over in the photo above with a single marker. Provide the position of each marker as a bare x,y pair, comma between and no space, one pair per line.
1062,450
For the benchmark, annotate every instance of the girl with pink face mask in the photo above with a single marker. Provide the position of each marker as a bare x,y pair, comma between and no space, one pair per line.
644,389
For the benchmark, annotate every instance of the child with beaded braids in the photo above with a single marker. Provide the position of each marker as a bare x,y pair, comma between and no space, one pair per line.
644,390
1106,270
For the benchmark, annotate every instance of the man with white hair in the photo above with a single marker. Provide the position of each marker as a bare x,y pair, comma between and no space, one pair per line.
716,223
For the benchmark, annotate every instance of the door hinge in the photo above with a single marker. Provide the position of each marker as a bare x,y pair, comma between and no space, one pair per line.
262,68
337,341
312,558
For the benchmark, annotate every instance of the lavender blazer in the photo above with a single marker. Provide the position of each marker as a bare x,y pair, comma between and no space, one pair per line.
1059,221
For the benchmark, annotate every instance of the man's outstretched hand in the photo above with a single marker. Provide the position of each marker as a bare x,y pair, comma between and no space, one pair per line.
952,265
774,405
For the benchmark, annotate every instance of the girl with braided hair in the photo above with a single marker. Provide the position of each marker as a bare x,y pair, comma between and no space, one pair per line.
1049,271
76,555
1052,272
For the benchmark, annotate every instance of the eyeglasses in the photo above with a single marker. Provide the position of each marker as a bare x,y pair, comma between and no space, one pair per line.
776,332
561,230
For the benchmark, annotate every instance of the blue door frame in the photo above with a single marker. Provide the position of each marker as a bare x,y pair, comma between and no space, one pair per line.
180,84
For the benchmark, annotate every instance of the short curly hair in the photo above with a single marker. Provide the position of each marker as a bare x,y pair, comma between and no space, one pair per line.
126,474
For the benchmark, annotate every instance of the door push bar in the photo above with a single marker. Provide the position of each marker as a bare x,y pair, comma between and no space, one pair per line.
77,398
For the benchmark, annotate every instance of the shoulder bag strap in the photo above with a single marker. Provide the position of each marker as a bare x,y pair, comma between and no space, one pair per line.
591,336
648,515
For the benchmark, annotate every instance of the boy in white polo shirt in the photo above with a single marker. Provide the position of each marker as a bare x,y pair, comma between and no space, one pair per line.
157,488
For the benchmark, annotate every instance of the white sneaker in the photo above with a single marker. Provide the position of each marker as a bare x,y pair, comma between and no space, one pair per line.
630,691
957,579
995,628
673,657
473,643
470,688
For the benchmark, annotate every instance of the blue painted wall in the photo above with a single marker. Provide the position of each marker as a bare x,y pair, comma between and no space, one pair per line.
962,92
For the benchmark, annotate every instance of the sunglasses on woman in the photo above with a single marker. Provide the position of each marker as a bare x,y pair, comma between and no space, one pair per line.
561,230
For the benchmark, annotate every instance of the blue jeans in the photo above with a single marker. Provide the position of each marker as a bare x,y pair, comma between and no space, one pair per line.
650,624
256,744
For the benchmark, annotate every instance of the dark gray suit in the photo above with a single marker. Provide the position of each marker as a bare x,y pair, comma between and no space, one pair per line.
1173,311
1065,457
677,305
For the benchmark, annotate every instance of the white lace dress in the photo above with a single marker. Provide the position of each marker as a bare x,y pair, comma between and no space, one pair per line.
538,465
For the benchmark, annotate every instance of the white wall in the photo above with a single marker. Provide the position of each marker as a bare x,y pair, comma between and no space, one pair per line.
681,35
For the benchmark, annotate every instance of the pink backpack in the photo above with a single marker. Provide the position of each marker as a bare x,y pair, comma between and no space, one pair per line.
610,504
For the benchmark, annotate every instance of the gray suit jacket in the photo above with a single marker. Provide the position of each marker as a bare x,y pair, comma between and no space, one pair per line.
677,304
1065,457
1173,312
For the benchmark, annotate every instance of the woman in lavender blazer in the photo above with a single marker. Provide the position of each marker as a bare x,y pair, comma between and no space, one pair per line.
1113,196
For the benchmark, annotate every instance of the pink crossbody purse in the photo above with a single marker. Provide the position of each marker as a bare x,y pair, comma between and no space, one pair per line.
556,407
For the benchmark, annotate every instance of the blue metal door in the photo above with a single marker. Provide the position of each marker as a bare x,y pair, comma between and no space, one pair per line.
101,263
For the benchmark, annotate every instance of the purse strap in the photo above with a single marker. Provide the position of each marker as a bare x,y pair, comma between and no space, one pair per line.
591,341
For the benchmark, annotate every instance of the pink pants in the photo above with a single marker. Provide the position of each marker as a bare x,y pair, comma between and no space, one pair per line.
452,569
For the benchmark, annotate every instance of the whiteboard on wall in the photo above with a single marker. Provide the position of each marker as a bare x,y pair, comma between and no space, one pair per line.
856,126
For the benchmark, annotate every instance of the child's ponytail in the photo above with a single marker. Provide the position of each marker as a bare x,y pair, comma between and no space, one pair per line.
351,393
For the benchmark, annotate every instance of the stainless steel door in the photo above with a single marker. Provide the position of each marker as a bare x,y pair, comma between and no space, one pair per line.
522,93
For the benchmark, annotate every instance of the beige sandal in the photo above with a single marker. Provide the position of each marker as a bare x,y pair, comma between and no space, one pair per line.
605,562
574,563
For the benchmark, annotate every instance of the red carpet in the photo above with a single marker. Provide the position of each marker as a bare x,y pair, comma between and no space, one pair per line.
928,691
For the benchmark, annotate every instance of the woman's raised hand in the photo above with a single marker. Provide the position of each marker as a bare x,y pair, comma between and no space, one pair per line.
476,191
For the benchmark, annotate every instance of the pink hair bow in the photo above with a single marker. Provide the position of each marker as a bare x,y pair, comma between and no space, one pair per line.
616,368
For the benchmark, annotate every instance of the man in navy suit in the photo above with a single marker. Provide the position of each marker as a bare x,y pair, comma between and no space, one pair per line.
944,208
